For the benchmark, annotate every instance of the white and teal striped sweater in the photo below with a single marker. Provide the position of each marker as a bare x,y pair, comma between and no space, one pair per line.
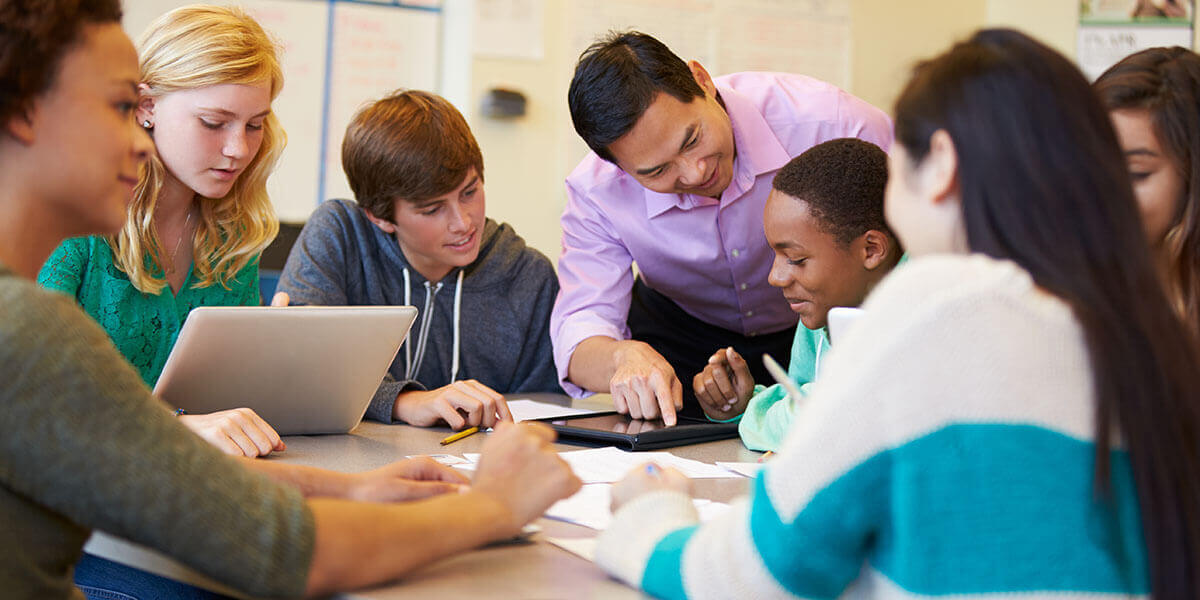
946,451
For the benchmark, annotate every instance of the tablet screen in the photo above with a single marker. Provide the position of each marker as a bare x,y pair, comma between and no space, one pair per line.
616,423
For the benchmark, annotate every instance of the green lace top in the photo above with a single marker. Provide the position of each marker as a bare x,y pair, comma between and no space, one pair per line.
142,326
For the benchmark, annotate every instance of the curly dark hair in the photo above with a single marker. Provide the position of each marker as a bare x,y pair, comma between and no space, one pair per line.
842,181
34,36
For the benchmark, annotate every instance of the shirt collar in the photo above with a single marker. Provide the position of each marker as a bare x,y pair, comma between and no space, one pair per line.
758,152
758,149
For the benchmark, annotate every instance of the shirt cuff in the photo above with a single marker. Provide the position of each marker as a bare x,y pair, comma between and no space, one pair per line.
571,333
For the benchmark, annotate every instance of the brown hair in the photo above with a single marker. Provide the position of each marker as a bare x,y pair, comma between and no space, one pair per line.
410,145
1166,83
34,36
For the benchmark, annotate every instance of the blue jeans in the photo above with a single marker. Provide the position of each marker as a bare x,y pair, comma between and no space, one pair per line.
103,579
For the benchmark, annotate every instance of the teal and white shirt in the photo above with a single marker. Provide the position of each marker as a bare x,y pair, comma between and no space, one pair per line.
947,449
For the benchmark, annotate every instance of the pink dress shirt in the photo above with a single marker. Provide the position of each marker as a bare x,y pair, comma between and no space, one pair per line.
710,256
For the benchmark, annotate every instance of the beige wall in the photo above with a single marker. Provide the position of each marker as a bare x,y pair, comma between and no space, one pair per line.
888,37
527,159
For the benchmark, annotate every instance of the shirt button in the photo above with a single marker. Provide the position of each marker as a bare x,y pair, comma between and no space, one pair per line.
743,286
736,252
749,313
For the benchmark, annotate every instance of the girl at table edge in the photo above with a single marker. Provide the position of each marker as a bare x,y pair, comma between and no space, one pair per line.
68,76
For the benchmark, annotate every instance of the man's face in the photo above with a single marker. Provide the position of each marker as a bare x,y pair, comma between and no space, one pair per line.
680,147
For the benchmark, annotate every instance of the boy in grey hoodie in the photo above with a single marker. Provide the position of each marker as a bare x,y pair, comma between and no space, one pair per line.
418,236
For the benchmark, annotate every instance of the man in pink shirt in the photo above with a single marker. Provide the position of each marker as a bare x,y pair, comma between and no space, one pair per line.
680,169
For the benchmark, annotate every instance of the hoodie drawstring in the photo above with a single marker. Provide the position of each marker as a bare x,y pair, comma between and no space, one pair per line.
457,321
411,368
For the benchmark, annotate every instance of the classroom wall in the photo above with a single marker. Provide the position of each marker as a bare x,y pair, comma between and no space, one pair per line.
527,159
889,37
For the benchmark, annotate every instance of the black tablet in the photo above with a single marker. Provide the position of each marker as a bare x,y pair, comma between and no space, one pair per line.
615,429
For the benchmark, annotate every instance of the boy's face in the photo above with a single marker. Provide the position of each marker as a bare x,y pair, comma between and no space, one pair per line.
813,270
439,234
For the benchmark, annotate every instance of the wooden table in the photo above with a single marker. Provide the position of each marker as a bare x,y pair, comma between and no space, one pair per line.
534,569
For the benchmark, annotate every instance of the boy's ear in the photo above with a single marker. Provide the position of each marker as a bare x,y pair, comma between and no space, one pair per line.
876,246
383,224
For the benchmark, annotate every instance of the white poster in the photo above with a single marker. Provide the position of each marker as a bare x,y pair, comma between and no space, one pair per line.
1110,30
509,29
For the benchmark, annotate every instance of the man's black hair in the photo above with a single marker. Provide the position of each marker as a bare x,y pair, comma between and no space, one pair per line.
615,81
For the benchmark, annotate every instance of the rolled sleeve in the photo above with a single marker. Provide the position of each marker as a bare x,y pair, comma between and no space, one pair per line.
595,274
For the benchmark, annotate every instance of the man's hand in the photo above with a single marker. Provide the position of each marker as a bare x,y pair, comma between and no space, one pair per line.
644,384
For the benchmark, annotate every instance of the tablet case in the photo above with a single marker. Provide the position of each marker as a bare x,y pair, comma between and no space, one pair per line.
686,431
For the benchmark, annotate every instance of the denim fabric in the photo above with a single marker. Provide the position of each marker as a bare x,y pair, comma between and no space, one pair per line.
103,579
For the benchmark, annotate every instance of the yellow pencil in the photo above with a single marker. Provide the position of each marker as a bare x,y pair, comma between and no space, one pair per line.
460,435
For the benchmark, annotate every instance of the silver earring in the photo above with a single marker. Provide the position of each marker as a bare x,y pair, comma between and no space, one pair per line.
146,124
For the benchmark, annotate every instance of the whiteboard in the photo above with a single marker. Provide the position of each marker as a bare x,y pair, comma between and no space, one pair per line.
809,37
337,56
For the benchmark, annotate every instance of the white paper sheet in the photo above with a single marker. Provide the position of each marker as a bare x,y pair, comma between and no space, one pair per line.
609,464
449,460
584,548
748,469
590,507
529,409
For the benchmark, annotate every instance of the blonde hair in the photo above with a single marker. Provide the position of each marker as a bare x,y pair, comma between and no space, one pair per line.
188,48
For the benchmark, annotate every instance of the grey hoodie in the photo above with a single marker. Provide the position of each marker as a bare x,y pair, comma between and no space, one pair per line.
341,259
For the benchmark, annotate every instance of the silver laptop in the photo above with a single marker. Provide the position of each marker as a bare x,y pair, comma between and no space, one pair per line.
303,369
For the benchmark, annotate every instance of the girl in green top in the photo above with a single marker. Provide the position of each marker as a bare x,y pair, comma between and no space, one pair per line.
200,215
